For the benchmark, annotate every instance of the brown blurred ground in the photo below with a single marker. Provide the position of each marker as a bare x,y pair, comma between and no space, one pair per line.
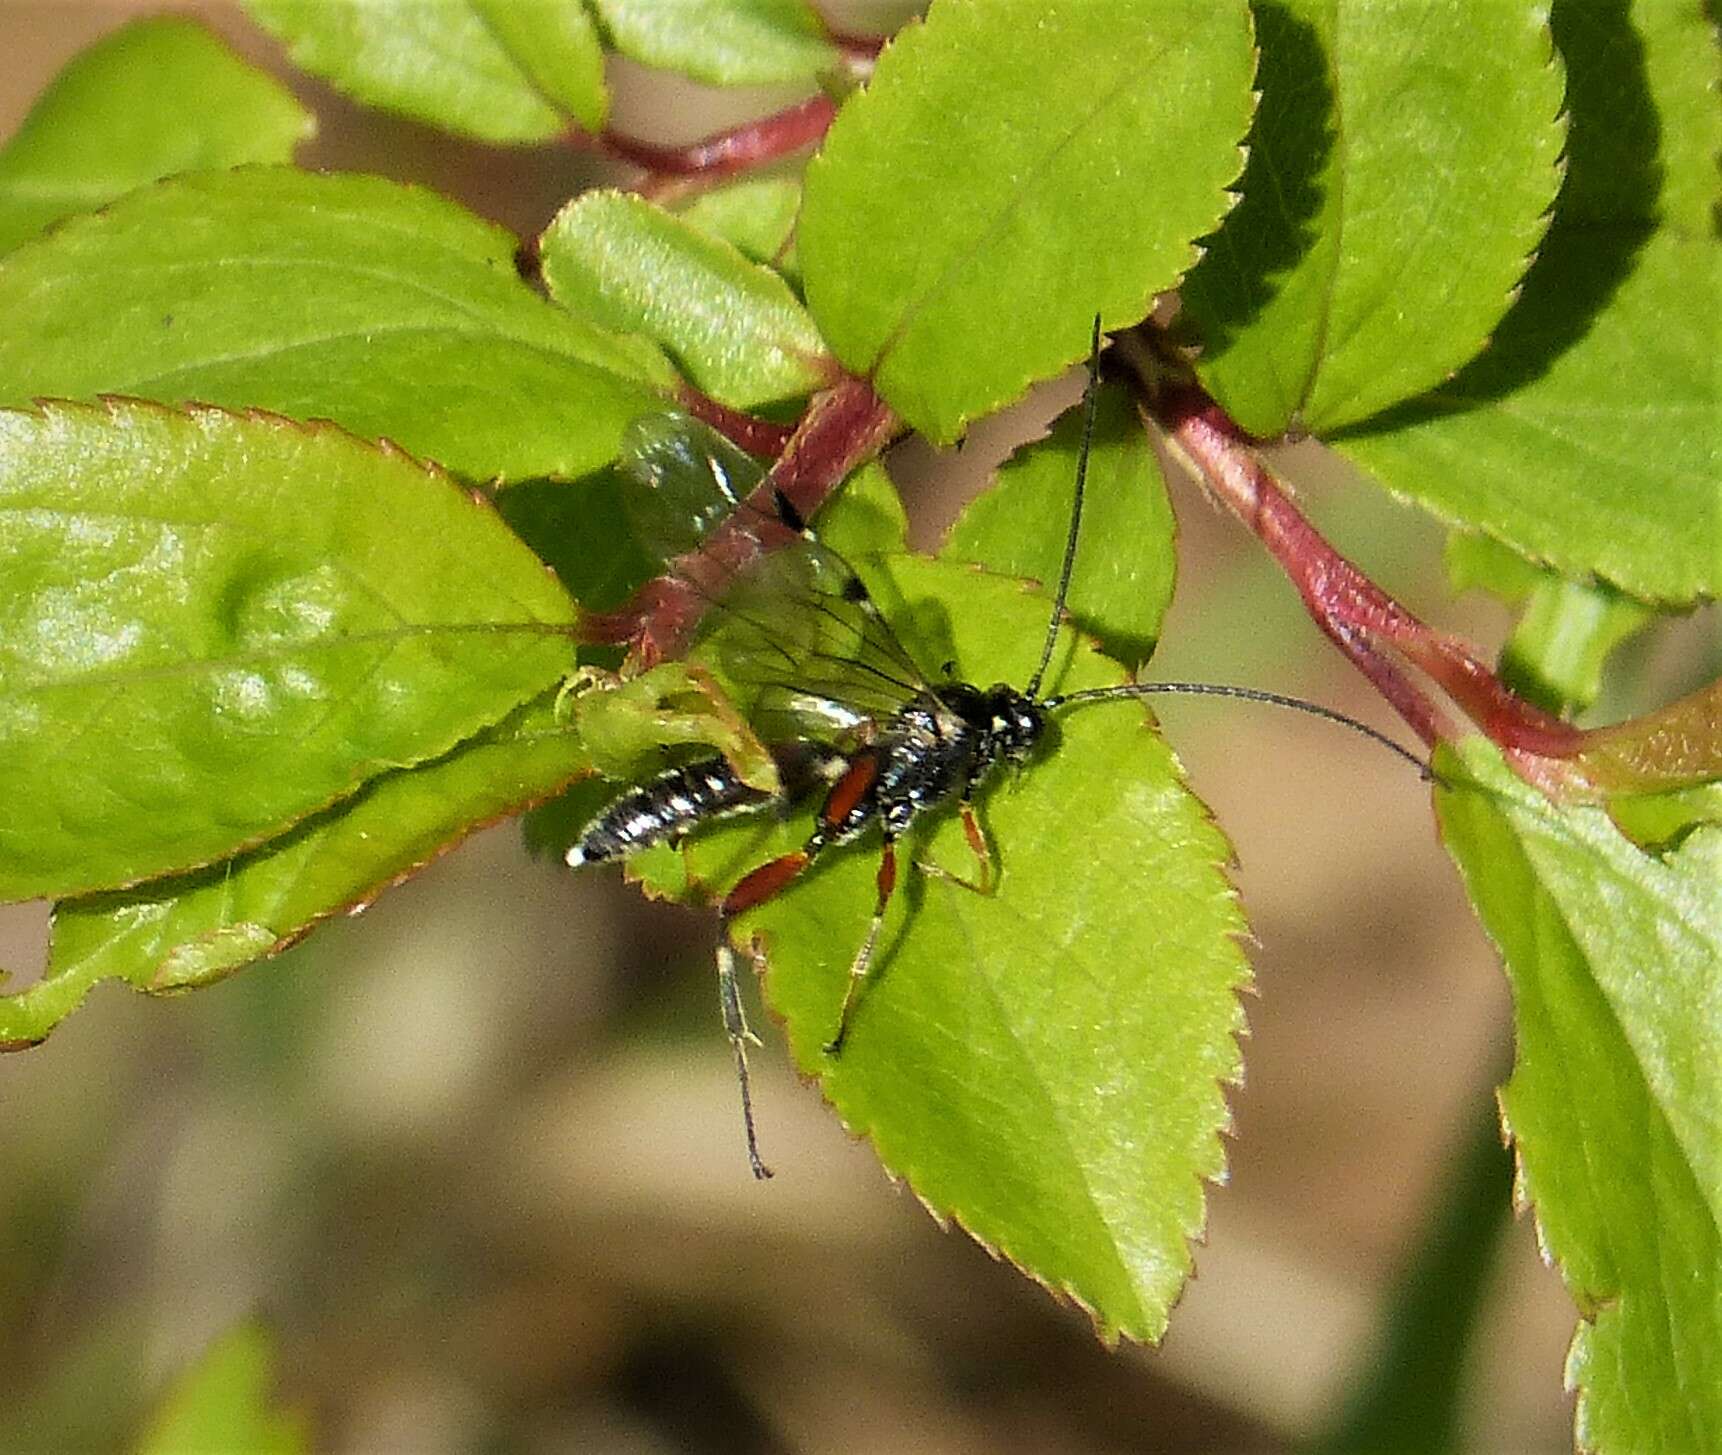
474,1155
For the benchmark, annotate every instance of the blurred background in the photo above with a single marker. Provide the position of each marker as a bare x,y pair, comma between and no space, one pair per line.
474,1157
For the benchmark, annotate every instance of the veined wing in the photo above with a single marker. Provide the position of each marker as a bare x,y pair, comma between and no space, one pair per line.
796,626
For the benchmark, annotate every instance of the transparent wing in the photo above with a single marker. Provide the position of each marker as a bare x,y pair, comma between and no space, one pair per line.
800,628
796,627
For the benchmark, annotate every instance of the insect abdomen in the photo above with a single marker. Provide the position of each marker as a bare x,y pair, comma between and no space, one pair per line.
670,805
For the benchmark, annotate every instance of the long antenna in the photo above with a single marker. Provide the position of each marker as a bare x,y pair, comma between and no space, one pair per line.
1090,402
1249,694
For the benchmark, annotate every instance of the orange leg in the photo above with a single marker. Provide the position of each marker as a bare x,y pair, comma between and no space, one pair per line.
885,885
984,883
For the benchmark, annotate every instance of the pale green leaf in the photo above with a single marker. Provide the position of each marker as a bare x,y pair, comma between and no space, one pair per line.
216,625
723,42
499,70
171,934
1012,169
1125,560
225,1401
1615,1106
382,307
1565,629
756,215
1403,162
116,118
734,326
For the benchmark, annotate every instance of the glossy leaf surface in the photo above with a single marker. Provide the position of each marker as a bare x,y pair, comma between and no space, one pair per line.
1403,162
382,307
499,70
218,625
1615,1107
189,929
733,325
1012,169
116,118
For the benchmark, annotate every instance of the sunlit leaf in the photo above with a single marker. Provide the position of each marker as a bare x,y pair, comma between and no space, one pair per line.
1012,169
382,307
116,118
216,625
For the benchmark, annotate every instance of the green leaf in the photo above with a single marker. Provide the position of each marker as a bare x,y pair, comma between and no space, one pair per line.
734,326
226,1401
626,723
1615,1106
1125,560
1014,168
723,42
1565,631
756,216
498,70
216,625
1598,396
1606,461
382,307
1044,1065
116,118
1402,166
171,934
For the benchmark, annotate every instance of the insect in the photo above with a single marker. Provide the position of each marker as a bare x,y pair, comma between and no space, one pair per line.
844,705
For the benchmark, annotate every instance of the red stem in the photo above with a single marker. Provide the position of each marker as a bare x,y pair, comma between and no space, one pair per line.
844,426
726,152
1356,614
755,435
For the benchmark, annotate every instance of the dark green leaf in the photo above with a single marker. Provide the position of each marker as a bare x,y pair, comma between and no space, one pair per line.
116,118
1013,169
1402,166
723,42
734,326
216,625
1588,436
499,70
1615,1106
382,307
1125,559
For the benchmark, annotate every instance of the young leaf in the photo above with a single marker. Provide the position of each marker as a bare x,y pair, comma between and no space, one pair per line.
1565,631
1125,559
382,307
734,327
187,930
224,1402
116,118
498,70
1597,394
1044,1065
216,625
1013,168
756,216
1615,1106
723,42
1403,162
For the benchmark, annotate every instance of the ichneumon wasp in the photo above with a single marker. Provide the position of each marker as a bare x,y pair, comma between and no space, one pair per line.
842,704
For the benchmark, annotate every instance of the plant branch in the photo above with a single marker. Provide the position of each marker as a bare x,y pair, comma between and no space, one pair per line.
843,428
1379,635
723,153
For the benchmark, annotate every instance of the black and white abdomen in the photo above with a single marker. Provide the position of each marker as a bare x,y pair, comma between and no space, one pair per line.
673,804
